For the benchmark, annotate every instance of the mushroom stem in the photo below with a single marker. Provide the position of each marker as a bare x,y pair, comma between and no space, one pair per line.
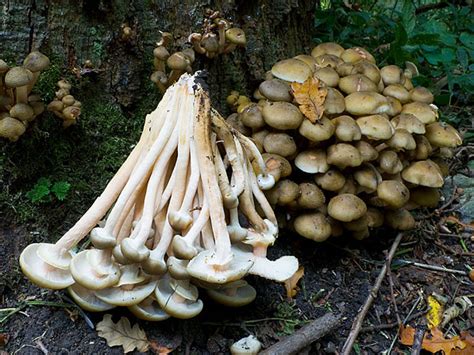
236,232
221,32
228,196
21,94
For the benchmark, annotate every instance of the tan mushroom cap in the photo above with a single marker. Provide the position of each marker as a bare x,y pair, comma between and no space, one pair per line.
356,82
369,69
442,165
149,309
258,138
425,173
36,61
275,90
425,196
441,134
345,69
87,300
424,112
311,196
357,225
120,296
235,294
367,177
328,75
421,94
327,60
279,143
18,76
394,193
346,207
401,140
175,305
331,180
362,103
291,70
177,268
374,217
236,36
376,127
366,150
409,122
389,162
399,219
397,91
391,74
312,161
423,148
87,270
308,60
343,155
282,115
319,131
284,192
11,128
22,112
252,117
334,102
355,54
313,226
347,128
327,48
177,61
395,106
285,166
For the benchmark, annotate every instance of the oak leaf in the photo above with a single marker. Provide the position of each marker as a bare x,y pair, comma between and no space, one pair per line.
310,96
433,340
291,284
122,334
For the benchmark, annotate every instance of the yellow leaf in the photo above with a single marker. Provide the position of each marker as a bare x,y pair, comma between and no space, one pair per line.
291,284
433,341
435,313
310,96
122,334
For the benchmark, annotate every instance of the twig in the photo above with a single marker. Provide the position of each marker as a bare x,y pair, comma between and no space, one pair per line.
392,295
417,341
346,349
434,267
391,325
305,335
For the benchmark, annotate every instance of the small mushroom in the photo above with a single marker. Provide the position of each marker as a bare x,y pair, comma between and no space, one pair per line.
424,112
234,294
313,226
319,131
275,90
347,129
391,74
279,143
334,103
424,173
246,346
327,48
394,193
399,219
355,54
312,161
356,82
291,70
376,127
331,180
310,196
343,155
421,94
346,207
441,134
409,122
282,115
362,103
19,78
11,128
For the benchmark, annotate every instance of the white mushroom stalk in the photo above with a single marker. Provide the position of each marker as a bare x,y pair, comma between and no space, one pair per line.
173,210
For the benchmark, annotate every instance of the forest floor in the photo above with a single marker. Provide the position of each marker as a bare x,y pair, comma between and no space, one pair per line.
337,278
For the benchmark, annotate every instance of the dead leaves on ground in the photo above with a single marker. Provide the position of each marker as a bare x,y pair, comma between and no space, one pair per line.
291,285
310,96
122,334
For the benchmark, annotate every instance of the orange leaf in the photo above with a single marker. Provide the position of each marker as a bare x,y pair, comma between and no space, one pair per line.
291,284
159,349
310,96
433,341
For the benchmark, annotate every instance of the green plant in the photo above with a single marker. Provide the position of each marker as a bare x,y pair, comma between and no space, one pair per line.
45,191
291,315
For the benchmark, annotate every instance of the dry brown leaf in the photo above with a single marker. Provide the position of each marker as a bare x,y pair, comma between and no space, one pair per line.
159,349
433,341
310,96
291,284
469,340
122,334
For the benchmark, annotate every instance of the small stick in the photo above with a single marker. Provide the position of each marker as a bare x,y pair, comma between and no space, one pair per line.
392,295
304,336
435,268
357,324
417,341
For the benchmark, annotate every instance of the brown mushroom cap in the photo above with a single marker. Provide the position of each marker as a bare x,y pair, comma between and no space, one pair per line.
36,61
399,219
374,217
423,149
362,103
311,196
409,122
397,91
355,54
18,76
252,117
284,192
369,69
282,115
308,60
328,75
275,90
234,121
343,155
357,225
401,140
395,106
279,143
314,226
327,48
177,61
347,128
334,103
391,74
376,127
22,112
424,173
11,128
424,112
236,36
291,70
319,131
356,82
331,180
312,161
425,196
366,150
284,167
389,162
258,138
421,94
394,193
367,177
346,207
441,134
327,60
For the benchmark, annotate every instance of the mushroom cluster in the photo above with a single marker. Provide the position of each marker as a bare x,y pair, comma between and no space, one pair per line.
375,152
65,106
218,36
176,63
18,106
185,210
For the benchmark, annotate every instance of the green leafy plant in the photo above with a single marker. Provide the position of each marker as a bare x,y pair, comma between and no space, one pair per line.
45,191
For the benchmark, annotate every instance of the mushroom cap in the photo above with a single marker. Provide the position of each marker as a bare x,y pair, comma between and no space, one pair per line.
18,76
421,94
101,238
343,155
389,162
425,196
87,300
346,207
362,103
68,100
178,308
356,82
347,128
423,148
161,53
285,166
22,112
252,117
399,219
258,137
349,186
71,112
442,165
11,128
134,250
409,122
366,150
355,54
327,60
275,90
87,270
292,70
246,346
38,108
313,226
424,112
177,268
397,91
391,74
41,273
441,134
357,225
367,68
310,196
401,140
331,180
204,267
120,296
345,69
282,115
394,193
237,294
367,177
50,254
184,289
334,103
312,161
278,270
395,106
412,69
376,127
236,36
3,66
328,75
327,48
319,131
36,61
158,77
279,143
234,121
424,173
55,105
374,217
149,310
308,60
177,61
284,192
210,42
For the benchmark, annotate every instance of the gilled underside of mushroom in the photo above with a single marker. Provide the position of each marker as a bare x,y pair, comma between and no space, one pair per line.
172,219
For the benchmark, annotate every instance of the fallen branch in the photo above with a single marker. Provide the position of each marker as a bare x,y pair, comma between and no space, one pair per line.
357,324
305,336
434,267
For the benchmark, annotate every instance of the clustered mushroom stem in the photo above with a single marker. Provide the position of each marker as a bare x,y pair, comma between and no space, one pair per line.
228,196
260,196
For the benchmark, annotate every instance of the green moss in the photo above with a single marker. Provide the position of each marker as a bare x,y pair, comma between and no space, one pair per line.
46,85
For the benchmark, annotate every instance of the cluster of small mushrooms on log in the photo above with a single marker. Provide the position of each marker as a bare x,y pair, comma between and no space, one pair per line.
65,106
185,210
18,105
375,151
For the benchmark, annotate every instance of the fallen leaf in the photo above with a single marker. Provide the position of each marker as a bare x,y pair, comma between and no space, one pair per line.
435,312
460,305
310,96
159,349
433,340
454,220
291,284
4,339
469,340
122,334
